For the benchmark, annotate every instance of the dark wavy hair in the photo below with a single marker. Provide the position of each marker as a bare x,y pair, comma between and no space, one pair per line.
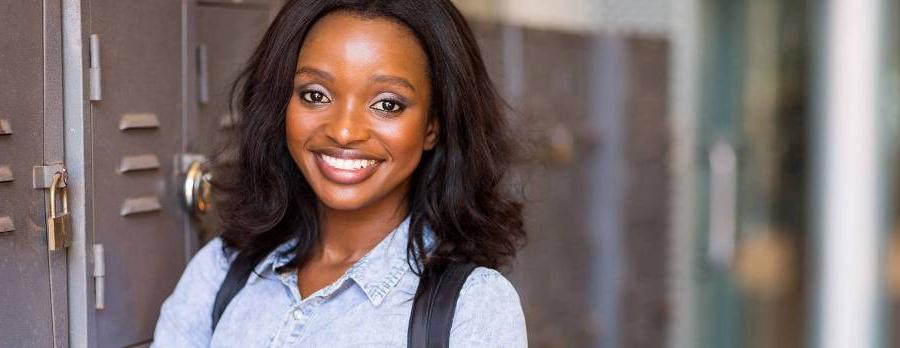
457,190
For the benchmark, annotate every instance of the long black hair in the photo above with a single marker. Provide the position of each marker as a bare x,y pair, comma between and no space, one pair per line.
457,190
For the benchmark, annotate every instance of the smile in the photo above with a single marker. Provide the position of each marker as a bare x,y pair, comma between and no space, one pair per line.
347,164
347,170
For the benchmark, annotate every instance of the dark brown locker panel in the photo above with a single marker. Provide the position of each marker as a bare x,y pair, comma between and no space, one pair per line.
25,292
543,75
137,134
554,67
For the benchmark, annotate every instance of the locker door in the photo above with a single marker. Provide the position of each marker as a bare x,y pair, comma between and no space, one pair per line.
226,37
33,302
137,134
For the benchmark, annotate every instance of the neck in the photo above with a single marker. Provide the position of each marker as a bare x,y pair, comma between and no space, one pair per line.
345,236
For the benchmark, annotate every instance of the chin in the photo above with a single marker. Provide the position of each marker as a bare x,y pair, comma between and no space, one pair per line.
342,200
341,205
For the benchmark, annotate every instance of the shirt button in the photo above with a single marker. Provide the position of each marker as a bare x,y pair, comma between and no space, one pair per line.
298,314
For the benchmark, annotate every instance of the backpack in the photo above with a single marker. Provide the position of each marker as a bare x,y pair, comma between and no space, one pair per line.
433,306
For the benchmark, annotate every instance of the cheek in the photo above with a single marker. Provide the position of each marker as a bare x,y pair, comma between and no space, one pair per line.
407,143
295,129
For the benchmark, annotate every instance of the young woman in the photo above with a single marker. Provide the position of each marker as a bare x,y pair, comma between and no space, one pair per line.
371,147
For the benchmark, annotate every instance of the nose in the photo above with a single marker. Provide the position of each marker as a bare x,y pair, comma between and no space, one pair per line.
348,125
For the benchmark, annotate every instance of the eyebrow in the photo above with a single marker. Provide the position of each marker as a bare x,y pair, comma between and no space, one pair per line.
393,80
388,79
315,72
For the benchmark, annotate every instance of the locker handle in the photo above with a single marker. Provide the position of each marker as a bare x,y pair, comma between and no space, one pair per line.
198,188
722,205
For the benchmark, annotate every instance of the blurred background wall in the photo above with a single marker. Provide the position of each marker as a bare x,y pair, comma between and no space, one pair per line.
697,173
584,82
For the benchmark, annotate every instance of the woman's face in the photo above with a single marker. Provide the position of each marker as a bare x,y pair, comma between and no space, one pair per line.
358,120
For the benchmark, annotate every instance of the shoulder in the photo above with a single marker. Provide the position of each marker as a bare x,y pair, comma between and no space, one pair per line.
185,317
207,269
211,257
488,312
486,282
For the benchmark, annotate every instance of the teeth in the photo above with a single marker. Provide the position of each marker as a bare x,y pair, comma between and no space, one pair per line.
347,164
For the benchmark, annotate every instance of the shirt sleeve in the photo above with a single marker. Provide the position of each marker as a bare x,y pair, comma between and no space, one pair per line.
488,313
185,318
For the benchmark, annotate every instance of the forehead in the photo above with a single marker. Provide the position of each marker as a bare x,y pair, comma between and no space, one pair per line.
343,42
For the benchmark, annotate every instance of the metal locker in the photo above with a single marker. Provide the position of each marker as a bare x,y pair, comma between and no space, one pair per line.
33,302
136,110
136,118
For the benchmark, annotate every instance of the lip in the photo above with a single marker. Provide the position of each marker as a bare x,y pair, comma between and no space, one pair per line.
345,176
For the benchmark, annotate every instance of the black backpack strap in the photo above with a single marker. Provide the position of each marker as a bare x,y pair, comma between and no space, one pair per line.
235,279
435,304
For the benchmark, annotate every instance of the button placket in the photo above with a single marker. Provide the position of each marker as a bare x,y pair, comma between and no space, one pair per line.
297,317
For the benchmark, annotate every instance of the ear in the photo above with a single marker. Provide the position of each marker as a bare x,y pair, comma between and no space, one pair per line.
431,133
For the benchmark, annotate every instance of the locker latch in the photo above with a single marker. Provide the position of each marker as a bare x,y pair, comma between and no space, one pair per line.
42,176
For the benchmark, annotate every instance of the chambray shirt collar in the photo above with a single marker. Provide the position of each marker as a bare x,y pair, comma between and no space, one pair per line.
377,273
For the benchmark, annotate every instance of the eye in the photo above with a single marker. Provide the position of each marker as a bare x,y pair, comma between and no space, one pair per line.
314,97
388,105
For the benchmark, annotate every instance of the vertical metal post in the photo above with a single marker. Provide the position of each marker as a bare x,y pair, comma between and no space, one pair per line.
847,176
609,85
76,111
684,89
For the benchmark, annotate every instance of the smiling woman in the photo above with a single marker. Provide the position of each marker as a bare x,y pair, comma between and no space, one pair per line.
358,123
371,155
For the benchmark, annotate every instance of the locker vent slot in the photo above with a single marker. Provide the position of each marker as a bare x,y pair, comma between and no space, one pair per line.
138,121
5,174
227,121
5,128
139,162
6,224
140,205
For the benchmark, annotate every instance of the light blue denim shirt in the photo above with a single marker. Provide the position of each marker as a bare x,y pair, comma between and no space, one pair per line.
368,306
